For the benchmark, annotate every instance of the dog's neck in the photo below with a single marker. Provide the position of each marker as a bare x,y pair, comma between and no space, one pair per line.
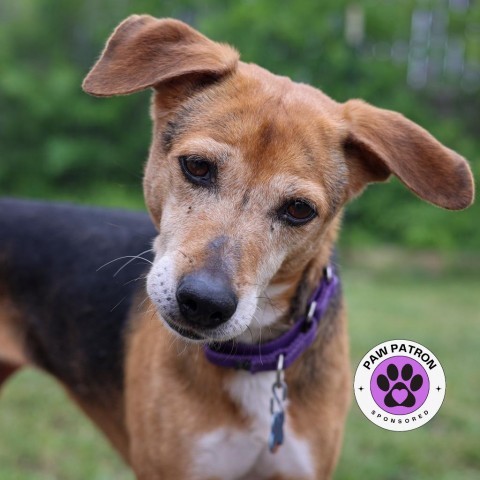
285,298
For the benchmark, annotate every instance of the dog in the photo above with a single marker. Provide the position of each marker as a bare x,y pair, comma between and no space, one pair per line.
223,352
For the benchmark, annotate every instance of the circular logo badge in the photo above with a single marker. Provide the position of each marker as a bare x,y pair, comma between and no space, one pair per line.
399,385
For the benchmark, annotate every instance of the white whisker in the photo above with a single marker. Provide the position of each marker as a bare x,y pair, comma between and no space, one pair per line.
132,257
118,303
139,256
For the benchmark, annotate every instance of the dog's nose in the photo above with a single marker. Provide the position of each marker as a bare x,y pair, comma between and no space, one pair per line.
206,300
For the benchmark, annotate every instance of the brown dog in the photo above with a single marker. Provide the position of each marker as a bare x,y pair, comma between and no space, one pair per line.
246,180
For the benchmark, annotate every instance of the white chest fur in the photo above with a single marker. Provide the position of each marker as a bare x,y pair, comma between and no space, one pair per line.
231,454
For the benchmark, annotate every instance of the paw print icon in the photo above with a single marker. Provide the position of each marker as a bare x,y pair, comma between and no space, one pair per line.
400,390
399,385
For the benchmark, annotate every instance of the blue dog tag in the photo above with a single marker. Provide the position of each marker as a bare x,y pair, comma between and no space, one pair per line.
276,432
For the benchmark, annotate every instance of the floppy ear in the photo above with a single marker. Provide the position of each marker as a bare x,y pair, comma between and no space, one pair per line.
381,142
144,51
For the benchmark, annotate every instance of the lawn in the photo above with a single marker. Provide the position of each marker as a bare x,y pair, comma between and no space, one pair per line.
42,436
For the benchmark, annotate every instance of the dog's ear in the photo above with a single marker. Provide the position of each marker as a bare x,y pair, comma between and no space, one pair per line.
381,142
144,52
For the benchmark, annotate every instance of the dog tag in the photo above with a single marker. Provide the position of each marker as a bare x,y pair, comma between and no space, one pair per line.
276,432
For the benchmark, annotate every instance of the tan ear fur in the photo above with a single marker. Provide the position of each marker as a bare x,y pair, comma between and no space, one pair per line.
144,51
381,142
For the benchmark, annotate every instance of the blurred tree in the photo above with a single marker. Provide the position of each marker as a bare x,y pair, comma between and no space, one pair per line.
57,142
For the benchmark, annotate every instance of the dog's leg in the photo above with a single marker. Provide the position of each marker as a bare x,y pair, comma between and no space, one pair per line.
7,370
12,356
107,414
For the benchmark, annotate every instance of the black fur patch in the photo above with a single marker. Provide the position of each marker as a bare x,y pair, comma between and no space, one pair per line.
168,135
76,312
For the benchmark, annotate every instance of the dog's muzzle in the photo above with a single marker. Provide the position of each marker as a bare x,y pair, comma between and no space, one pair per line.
206,299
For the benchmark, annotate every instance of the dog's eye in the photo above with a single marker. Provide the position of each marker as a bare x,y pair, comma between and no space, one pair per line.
198,170
298,212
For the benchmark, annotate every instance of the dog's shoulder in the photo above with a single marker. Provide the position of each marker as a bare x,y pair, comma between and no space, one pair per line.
55,266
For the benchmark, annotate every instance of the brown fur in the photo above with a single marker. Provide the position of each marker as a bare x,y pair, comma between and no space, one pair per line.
12,351
160,437
271,140
387,142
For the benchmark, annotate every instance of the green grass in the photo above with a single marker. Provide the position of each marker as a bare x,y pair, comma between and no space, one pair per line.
444,315
42,436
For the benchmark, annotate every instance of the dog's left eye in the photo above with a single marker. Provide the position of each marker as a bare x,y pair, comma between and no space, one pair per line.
198,170
298,212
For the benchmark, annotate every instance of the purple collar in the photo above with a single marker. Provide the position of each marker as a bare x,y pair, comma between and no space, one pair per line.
264,357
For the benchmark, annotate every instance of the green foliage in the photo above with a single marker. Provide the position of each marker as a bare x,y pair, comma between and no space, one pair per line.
57,142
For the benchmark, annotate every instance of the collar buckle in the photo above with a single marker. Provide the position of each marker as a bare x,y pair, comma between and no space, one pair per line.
311,312
328,273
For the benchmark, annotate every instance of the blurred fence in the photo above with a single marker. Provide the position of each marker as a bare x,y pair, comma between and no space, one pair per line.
442,47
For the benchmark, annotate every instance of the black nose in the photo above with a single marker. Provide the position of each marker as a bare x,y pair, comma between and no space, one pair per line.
205,299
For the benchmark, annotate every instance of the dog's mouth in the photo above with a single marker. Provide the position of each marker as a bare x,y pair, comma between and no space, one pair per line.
192,324
184,332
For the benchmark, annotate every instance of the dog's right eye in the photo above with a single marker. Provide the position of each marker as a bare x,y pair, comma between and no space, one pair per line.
198,170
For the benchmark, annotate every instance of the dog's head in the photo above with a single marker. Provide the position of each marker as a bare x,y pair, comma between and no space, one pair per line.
248,171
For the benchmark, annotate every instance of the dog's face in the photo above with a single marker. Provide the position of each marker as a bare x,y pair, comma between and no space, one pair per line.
248,171
243,180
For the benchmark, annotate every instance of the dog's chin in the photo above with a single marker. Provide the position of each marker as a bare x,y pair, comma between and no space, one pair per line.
184,333
192,335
